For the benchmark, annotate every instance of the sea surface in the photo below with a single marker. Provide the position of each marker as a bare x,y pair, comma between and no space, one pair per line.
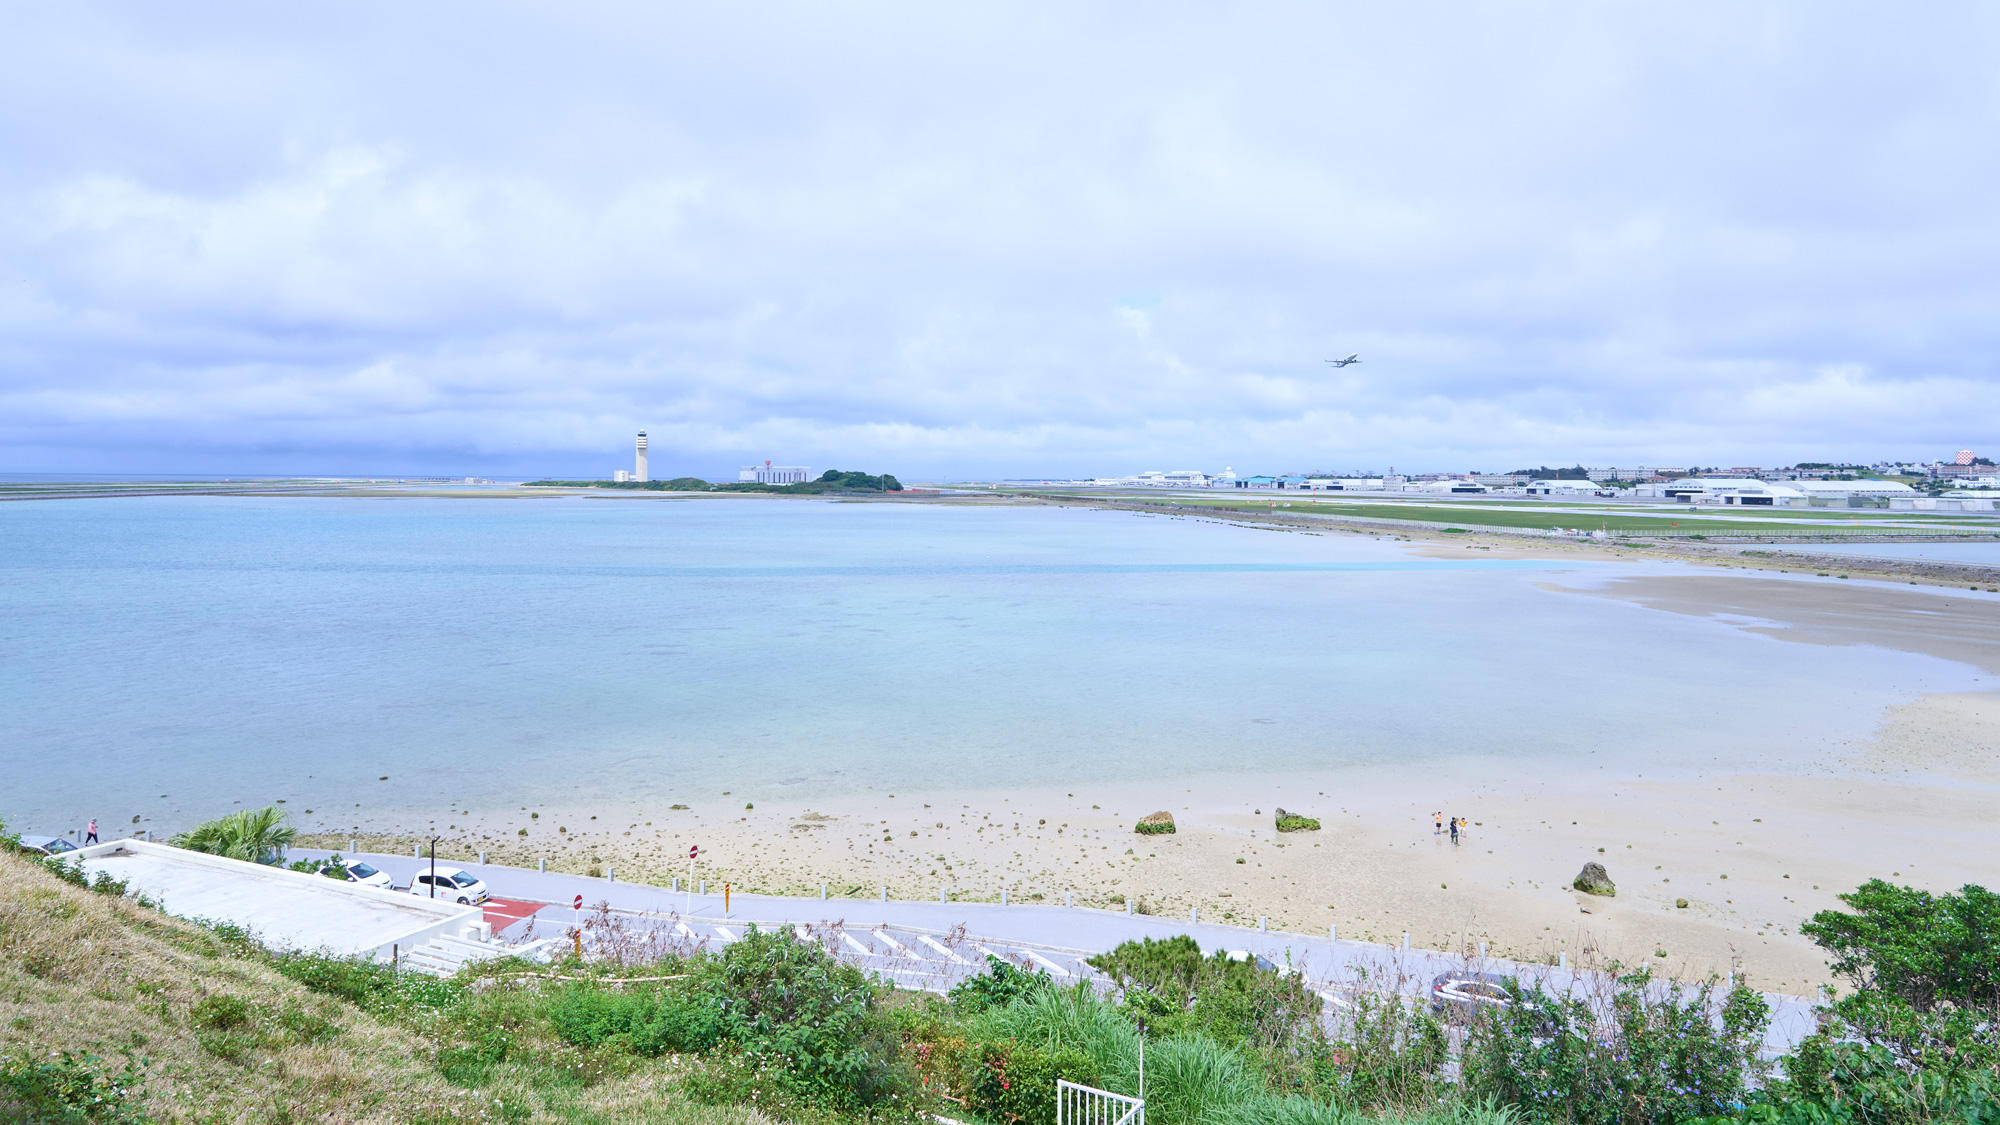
167,658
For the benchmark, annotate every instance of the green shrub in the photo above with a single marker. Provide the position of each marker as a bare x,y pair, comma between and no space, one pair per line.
1016,1083
374,987
226,1026
68,1088
1664,1055
1297,824
1065,1020
1175,988
1919,1037
1389,1050
1001,984
1831,1081
71,873
799,1014
643,1021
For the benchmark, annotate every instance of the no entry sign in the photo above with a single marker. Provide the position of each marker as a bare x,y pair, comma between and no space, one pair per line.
578,904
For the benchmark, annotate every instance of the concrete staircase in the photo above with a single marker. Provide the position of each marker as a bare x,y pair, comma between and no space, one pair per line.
445,956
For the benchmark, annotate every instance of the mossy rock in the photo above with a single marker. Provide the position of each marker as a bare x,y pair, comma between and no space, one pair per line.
1594,880
1293,822
1155,824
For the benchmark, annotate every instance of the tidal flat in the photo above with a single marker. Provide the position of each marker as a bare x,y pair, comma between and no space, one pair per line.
1026,680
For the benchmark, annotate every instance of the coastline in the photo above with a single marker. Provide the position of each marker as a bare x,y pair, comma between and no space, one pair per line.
1753,849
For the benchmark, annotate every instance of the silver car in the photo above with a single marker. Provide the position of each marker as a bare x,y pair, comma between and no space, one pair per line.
1469,993
46,845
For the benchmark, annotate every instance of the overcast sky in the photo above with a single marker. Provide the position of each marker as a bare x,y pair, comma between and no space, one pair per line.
965,240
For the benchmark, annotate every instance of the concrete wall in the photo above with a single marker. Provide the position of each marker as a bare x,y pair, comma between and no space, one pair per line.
284,909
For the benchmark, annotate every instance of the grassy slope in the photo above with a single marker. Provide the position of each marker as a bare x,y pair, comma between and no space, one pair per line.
92,973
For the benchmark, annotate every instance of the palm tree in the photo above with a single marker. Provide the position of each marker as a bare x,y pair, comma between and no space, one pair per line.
256,835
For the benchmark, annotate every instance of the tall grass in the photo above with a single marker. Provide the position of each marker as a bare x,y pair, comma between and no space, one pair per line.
1272,1110
1072,1019
1192,1078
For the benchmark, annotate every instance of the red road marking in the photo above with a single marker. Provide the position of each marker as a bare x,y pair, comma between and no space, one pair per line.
502,913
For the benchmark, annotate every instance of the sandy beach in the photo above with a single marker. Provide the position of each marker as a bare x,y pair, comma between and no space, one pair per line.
1752,851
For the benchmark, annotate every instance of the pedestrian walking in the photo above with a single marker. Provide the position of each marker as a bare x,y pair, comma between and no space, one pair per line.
90,834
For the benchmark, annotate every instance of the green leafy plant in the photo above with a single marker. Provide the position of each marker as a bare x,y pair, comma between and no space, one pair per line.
1918,1038
809,1020
1016,1082
1001,984
645,1021
68,1088
255,835
1388,1049
1658,1055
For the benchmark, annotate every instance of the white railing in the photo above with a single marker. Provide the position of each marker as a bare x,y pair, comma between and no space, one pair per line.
1088,1105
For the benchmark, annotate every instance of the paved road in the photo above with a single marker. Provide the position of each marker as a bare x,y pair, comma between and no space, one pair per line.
933,945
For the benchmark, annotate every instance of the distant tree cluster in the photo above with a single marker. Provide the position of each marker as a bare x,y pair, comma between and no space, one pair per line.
1577,472
840,479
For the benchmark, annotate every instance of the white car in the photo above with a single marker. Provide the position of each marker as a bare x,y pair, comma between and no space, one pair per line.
359,872
453,883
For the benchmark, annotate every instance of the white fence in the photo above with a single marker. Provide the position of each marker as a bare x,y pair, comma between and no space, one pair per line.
1088,1105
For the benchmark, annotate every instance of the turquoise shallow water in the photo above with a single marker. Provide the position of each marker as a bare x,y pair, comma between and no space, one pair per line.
167,657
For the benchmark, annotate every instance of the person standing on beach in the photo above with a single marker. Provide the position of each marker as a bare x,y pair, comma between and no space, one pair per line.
1437,818
1454,830
90,834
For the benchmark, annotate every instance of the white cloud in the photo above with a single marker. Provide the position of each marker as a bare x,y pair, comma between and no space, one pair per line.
994,240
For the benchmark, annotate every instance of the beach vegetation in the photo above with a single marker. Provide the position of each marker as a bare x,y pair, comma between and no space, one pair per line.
1152,824
204,1023
1916,1038
254,835
1649,1052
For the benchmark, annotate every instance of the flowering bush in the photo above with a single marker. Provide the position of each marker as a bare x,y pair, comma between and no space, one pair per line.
1015,1083
1648,1054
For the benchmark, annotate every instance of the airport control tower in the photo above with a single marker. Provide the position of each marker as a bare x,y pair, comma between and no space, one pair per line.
640,468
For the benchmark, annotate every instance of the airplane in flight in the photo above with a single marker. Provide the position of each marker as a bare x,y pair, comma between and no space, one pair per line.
1355,358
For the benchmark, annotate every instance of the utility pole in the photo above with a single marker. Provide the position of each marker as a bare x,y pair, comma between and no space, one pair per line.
434,866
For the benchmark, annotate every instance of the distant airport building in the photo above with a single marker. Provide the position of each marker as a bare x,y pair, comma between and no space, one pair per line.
1957,500
1822,491
1744,491
768,473
622,476
1734,490
639,472
1563,488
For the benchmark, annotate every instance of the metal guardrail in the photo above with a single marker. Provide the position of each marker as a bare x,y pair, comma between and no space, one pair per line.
1077,1104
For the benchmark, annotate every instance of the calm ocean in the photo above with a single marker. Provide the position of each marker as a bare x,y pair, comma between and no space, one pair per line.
167,657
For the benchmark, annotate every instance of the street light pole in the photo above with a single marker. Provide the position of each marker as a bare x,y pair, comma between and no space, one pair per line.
434,866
